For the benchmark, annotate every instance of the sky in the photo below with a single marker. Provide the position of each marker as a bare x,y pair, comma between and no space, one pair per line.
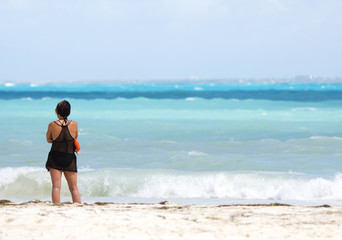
96,40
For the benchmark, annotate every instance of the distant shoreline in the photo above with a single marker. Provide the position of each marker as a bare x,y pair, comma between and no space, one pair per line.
191,80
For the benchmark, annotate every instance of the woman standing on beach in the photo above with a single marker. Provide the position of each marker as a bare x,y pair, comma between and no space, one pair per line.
62,158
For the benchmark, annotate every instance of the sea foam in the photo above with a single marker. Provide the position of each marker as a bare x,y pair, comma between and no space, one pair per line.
35,183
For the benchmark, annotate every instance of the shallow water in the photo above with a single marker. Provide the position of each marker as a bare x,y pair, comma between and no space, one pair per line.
188,145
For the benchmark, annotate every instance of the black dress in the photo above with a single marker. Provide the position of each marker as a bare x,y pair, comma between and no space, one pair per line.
62,154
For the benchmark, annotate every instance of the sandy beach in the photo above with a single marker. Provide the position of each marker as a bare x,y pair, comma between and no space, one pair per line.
44,220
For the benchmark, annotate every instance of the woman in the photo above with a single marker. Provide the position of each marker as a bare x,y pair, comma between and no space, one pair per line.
62,158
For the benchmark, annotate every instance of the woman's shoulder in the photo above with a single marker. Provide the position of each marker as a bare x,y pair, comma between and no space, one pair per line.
72,122
56,123
52,124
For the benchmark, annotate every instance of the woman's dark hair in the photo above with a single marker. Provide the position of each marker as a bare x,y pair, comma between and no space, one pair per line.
63,109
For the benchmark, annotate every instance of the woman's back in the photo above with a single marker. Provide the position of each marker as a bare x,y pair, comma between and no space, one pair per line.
57,128
64,142
62,134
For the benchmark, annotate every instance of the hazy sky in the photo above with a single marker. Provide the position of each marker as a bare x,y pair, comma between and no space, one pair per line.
42,40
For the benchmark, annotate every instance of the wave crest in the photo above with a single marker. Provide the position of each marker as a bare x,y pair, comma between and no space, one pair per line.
35,183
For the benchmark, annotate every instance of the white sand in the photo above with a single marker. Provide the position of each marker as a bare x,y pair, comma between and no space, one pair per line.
168,221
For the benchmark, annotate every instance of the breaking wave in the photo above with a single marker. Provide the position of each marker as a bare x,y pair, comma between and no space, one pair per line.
28,182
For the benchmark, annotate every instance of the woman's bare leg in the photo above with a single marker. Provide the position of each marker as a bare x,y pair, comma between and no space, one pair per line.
56,177
71,178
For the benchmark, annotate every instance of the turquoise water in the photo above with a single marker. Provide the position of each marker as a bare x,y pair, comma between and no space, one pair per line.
180,141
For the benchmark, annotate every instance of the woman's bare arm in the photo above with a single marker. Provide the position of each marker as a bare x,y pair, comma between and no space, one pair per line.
49,133
76,130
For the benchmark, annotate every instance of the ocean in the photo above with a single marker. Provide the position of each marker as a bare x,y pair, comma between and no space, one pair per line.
193,143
